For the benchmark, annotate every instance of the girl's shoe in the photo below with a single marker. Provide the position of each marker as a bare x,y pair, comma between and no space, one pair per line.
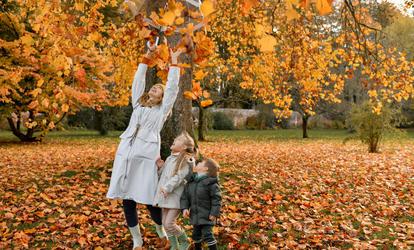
136,236
173,242
184,244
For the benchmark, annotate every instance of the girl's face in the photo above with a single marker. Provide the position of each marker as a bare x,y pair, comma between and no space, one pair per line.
178,145
200,168
156,93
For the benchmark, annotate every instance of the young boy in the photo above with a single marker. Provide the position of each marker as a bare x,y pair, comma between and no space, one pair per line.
201,200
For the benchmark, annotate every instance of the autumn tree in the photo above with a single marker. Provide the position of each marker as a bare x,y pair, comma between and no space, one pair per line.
51,63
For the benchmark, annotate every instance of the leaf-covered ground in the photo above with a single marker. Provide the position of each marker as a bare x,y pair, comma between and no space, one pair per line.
277,193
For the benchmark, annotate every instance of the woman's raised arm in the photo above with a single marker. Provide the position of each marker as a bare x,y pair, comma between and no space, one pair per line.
171,90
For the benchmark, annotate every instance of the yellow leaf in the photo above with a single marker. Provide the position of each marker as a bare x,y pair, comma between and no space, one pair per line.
267,43
207,7
27,40
291,13
168,18
323,7
179,21
199,75
190,95
40,83
45,102
206,103
45,197
79,5
65,108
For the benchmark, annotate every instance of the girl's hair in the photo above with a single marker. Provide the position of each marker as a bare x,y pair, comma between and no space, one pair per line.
187,153
213,167
144,99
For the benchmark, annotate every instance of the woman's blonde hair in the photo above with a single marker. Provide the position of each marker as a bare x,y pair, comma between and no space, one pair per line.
187,153
144,99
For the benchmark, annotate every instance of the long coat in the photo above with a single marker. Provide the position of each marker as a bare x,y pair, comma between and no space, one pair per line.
203,197
173,183
134,172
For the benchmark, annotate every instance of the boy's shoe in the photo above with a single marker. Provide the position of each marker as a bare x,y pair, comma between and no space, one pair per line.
212,247
197,246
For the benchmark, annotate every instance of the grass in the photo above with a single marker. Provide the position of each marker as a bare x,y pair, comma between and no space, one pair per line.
258,135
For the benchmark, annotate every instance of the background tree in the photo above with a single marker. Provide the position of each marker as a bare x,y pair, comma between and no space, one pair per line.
51,62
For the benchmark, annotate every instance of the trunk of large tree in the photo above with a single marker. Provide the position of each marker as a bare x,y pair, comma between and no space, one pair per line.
180,119
305,126
15,128
201,124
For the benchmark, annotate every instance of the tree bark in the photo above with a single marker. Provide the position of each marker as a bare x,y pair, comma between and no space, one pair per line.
305,126
28,137
180,119
100,122
201,124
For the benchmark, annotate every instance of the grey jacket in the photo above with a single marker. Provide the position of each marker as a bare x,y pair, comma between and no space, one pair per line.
203,198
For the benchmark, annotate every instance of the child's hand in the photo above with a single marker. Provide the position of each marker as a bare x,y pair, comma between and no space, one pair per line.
186,213
160,162
163,192
212,218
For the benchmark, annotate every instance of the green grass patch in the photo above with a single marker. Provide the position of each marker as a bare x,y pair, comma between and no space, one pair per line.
214,135
68,173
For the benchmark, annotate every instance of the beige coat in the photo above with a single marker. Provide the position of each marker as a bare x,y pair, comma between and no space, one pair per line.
172,183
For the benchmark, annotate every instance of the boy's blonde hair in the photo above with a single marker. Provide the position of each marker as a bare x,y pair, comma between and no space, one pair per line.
213,167
187,153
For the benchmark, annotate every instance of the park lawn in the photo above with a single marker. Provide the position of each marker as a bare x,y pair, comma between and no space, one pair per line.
278,191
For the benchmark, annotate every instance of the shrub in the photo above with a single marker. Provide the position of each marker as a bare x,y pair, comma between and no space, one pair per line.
370,127
263,120
222,121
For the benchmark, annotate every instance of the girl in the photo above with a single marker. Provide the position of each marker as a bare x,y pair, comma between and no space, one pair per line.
134,175
201,200
171,185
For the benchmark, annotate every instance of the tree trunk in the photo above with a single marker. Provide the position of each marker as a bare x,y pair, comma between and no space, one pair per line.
180,119
201,124
100,122
28,137
305,126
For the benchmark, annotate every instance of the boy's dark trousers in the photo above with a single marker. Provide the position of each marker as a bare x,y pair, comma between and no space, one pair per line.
204,233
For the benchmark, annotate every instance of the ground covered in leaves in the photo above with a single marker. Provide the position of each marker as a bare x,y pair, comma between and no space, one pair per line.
278,193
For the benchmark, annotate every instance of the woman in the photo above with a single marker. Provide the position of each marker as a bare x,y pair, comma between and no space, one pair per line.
134,175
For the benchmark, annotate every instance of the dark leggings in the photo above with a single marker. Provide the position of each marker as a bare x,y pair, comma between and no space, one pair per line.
131,214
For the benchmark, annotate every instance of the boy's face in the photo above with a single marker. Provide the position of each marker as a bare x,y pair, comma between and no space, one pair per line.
200,168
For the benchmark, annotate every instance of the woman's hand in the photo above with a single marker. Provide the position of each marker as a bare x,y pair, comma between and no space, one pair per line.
163,192
186,213
175,55
151,50
160,162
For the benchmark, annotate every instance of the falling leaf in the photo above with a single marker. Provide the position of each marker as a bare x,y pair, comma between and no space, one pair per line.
267,43
323,7
207,7
206,103
168,18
